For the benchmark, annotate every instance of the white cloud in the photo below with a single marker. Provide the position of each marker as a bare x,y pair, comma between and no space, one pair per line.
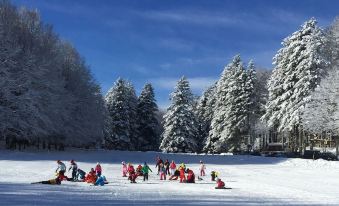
191,17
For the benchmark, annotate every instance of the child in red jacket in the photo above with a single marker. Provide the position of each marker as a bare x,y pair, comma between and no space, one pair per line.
182,174
190,176
220,184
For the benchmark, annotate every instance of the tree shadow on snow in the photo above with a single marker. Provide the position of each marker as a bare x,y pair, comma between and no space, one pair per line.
26,194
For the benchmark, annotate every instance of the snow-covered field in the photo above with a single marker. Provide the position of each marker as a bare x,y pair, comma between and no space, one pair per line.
255,180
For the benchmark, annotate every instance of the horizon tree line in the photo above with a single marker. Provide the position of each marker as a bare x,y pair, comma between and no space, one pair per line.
48,97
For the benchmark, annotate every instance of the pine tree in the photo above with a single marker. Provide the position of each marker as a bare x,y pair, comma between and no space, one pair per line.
179,121
299,65
148,125
117,107
253,102
321,110
204,114
231,110
132,103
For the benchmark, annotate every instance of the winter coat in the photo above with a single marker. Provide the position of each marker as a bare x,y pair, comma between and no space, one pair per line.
61,167
101,181
139,168
73,167
177,173
182,172
190,176
173,166
145,169
220,184
159,161
124,168
91,178
167,164
130,169
98,169
81,172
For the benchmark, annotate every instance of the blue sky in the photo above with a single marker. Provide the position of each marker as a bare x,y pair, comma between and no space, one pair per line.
160,41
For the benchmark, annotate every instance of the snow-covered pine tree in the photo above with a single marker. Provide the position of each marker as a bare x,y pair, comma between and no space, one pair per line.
132,103
180,130
148,125
322,109
204,114
253,105
117,107
333,35
299,65
231,110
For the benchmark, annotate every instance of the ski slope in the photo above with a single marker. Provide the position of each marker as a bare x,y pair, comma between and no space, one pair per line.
255,180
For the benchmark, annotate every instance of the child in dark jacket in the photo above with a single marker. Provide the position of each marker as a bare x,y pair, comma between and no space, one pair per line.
74,168
80,175
175,175
167,167
162,172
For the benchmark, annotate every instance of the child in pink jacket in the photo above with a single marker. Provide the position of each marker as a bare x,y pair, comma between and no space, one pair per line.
98,169
124,169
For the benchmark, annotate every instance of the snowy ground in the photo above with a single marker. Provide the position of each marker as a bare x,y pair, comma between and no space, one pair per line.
255,180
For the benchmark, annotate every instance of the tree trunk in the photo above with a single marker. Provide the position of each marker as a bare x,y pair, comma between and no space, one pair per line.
336,145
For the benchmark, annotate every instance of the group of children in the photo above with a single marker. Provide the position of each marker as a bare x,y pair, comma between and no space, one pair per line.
165,168
94,176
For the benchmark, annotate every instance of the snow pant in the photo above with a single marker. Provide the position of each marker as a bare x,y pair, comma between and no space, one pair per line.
45,182
62,173
167,171
213,177
183,178
172,171
132,177
124,173
48,182
146,176
162,175
74,175
158,170
202,172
